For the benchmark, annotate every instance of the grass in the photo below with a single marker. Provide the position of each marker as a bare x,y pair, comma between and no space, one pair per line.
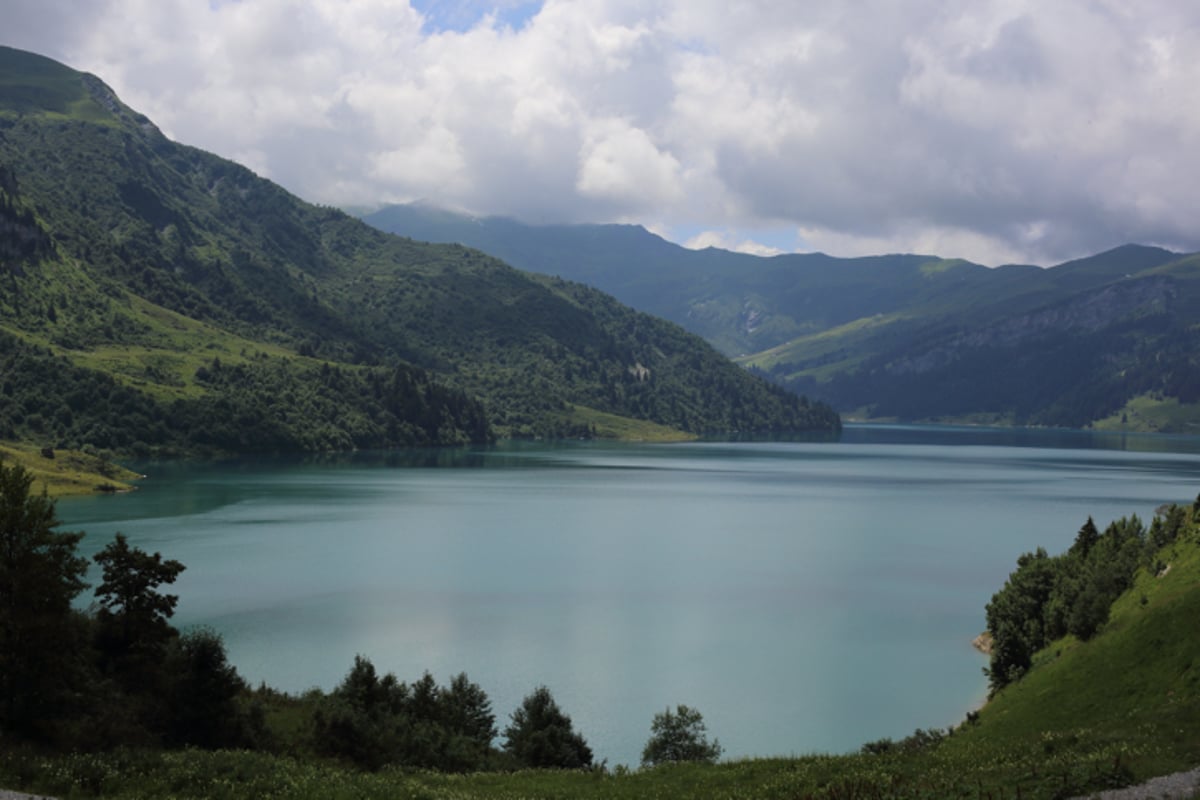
1149,414
1137,686
175,347
171,348
931,268
69,472
824,346
1129,697
626,429
34,84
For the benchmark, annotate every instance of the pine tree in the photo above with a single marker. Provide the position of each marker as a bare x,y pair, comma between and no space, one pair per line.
540,735
40,574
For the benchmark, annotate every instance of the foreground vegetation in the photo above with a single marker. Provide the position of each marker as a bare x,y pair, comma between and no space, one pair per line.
115,702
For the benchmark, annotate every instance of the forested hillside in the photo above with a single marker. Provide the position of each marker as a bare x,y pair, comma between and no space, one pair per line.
1106,340
222,312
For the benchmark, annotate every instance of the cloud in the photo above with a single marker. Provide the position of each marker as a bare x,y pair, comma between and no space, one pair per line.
924,240
1001,130
620,163
725,240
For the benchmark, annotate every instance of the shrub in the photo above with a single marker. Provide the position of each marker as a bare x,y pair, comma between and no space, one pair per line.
679,735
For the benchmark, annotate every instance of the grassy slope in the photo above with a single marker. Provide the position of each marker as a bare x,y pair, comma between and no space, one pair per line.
1119,709
1134,690
69,472
611,426
823,354
1149,413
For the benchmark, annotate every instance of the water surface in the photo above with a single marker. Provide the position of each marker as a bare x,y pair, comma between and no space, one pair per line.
804,596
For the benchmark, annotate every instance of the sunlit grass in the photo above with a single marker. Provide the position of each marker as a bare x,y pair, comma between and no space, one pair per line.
1150,414
932,268
612,426
823,344
69,471
172,347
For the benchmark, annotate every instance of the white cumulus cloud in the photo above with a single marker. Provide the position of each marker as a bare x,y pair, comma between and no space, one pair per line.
999,130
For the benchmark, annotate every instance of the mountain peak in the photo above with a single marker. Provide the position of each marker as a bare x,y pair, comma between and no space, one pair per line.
31,84
148,237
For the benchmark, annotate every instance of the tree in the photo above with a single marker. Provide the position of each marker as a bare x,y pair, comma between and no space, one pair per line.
1085,540
40,574
467,711
363,719
1089,612
375,721
1016,618
540,735
134,616
363,689
679,735
204,711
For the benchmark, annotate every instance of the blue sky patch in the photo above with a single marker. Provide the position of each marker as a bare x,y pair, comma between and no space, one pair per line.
457,16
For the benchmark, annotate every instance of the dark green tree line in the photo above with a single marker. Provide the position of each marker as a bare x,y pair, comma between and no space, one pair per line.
264,405
120,676
1047,597
374,721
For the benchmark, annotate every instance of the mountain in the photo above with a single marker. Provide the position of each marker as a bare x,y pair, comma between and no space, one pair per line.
1106,340
154,296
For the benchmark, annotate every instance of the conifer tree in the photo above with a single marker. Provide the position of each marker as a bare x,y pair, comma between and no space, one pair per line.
40,574
541,735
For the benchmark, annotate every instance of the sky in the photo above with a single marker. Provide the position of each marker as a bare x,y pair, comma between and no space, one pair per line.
1001,131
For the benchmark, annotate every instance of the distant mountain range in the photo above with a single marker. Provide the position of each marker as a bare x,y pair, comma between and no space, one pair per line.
156,298
1110,341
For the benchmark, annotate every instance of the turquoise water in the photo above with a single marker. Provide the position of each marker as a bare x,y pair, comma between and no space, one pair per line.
804,596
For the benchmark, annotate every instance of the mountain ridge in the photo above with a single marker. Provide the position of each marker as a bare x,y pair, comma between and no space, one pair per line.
155,246
850,330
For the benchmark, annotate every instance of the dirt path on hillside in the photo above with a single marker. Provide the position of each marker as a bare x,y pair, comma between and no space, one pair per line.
1179,786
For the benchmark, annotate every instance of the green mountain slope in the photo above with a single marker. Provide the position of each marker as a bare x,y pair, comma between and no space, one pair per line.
1073,358
739,302
1104,340
241,317
1134,689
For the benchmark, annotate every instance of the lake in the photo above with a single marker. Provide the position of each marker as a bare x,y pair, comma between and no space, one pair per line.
805,597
